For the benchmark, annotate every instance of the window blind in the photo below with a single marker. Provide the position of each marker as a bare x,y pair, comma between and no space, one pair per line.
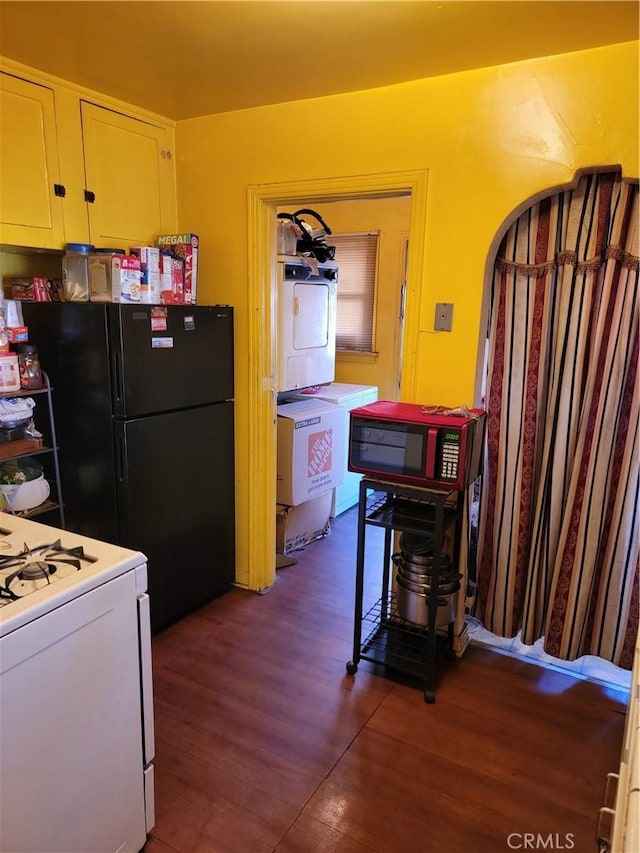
356,256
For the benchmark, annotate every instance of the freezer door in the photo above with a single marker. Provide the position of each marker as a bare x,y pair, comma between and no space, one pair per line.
166,357
72,342
176,504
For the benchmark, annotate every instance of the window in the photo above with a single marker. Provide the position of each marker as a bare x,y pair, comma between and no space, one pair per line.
356,256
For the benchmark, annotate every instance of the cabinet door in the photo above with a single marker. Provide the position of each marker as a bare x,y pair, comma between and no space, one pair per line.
30,212
129,167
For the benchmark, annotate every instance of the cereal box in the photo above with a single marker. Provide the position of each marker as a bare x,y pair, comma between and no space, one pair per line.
172,279
126,278
186,246
149,257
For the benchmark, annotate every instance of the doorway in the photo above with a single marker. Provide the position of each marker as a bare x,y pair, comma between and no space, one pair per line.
263,202
387,219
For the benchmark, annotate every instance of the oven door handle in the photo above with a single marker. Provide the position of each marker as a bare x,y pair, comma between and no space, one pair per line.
146,680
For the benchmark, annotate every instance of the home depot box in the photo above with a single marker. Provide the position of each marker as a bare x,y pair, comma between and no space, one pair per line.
298,526
310,450
186,246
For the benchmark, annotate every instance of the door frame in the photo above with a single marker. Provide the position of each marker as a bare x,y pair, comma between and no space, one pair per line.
263,199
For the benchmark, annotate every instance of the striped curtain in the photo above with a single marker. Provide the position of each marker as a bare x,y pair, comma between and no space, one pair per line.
558,552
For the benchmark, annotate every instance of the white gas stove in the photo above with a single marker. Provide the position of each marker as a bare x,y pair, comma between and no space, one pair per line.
75,651
42,567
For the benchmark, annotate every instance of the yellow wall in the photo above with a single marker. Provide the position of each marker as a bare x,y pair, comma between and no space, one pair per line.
390,218
489,139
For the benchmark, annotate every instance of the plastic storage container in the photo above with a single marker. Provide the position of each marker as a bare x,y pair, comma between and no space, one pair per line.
28,365
101,275
75,272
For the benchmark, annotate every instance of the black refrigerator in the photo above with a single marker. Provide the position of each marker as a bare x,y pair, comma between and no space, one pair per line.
144,413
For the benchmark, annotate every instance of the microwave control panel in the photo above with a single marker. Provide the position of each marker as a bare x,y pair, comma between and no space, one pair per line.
450,456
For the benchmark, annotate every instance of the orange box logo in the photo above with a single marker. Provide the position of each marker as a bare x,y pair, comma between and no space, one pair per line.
319,457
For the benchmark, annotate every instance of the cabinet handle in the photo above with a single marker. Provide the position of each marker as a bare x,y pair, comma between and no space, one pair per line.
89,196
610,776
166,154
59,190
604,841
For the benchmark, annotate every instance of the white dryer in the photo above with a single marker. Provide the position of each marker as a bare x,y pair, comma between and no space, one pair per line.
307,302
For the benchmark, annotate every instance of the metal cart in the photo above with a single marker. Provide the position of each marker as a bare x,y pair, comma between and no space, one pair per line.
381,635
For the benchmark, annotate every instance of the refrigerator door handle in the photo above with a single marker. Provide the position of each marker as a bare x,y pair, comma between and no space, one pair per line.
121,457
117,377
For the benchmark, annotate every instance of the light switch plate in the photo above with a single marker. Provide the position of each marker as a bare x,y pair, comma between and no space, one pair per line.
444,317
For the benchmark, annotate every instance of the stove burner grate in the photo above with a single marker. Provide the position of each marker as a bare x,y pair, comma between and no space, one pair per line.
48,558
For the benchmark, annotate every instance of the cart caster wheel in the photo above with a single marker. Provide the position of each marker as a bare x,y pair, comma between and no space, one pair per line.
352,668
430,696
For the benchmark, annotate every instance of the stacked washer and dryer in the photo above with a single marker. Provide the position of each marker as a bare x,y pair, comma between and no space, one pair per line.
308,396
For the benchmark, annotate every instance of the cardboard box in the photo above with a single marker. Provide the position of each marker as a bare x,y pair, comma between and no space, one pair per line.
126,278
298,526
166,274
17,334
149,257
114,278
12,313
186,246
310,450
36,289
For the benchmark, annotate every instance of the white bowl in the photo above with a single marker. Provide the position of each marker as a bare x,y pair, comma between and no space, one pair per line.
21,496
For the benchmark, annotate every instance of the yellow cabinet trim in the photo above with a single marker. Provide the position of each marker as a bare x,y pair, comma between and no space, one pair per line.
81,93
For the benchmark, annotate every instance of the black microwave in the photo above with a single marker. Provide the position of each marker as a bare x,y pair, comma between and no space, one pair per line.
408,443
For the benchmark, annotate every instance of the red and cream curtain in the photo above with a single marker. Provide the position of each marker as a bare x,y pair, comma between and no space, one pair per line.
558,548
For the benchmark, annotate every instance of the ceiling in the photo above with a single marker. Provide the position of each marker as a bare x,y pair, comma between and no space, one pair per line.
184,59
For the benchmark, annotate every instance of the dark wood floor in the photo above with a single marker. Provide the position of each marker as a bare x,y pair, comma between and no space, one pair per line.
264,743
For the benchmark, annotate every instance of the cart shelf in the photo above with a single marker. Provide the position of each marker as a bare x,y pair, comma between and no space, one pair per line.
405,513
395,642
35,447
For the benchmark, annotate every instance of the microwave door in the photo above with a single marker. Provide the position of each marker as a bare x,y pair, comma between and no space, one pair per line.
387,449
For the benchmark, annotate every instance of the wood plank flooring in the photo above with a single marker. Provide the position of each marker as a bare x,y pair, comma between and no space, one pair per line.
264,743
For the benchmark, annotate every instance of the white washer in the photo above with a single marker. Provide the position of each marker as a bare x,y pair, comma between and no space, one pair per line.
349,397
